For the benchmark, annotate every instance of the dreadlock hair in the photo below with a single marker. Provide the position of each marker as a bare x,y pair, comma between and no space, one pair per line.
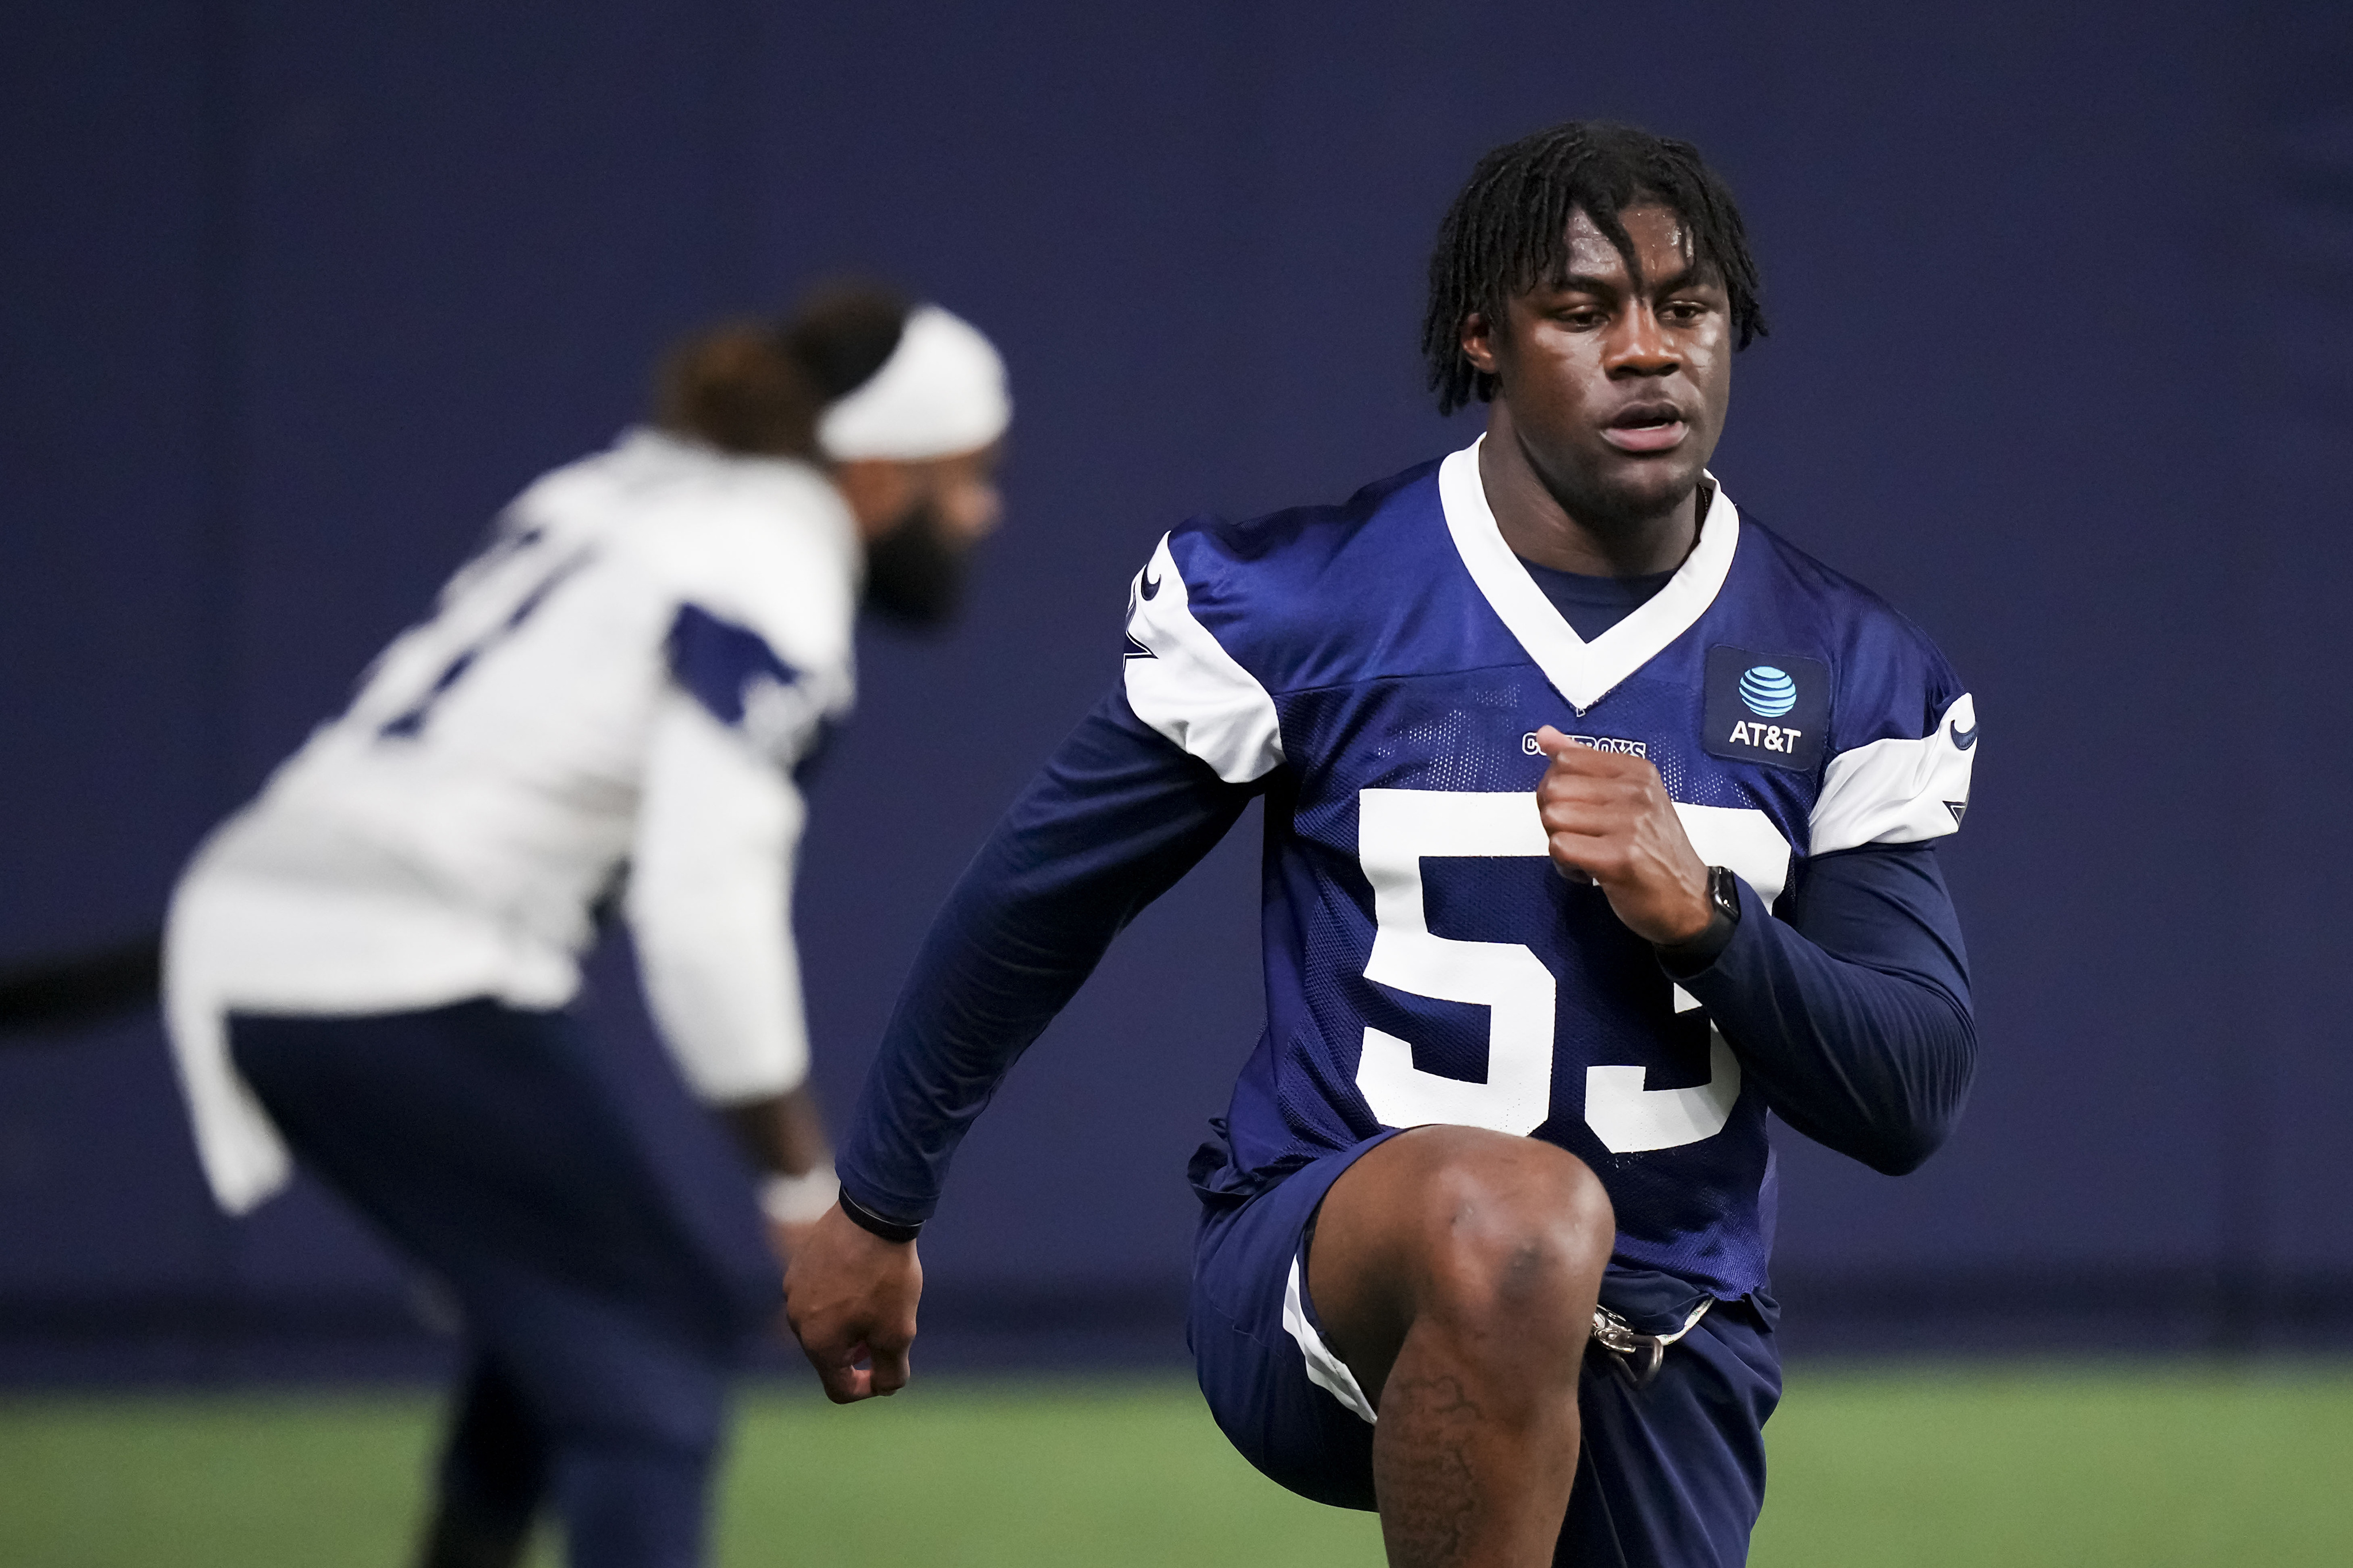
1508,230
758,387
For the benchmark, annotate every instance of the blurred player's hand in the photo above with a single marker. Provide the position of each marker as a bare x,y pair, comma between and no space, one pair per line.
850,1297
1607,821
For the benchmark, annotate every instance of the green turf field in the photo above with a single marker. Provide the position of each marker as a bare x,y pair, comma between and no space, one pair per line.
2140,1464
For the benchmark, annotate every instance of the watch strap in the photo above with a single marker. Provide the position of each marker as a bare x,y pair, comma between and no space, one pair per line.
1723,924
873,1224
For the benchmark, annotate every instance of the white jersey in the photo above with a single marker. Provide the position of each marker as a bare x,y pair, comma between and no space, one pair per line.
622,682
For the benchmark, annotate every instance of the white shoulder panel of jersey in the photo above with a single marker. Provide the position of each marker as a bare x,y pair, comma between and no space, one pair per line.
1743,840
1184,684
1899,792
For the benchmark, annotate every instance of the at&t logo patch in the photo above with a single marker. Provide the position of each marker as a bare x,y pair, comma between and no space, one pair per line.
1766,708
1767,692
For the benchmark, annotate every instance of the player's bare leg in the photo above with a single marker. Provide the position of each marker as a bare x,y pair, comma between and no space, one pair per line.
1455,1271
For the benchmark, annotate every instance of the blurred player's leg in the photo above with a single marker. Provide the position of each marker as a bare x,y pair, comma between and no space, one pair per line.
493,1475
597,1228
633,1405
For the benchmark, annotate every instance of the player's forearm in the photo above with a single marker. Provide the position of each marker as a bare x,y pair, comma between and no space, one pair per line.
1112,822
783,1133
1854,1017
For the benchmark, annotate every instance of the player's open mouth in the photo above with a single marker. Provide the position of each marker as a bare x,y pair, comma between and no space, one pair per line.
1646,427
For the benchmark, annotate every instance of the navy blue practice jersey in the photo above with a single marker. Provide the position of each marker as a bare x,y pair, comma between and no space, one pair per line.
1380,669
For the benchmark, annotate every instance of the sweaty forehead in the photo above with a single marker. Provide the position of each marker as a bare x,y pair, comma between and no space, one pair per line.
1661,239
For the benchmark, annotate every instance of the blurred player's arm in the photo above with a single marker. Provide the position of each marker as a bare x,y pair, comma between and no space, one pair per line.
784,1135
709,906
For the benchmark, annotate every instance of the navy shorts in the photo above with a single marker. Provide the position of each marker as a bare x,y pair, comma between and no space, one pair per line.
1669,1476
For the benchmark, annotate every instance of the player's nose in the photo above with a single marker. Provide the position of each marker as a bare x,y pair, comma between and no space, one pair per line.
1639,345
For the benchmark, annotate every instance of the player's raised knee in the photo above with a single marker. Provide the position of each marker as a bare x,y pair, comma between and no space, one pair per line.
1513,1232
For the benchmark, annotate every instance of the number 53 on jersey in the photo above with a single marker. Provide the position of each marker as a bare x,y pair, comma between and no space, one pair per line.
1397,830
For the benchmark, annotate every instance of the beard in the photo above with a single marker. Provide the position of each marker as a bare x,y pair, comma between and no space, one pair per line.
915,575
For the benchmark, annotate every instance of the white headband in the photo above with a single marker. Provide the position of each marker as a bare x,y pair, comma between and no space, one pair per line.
941,391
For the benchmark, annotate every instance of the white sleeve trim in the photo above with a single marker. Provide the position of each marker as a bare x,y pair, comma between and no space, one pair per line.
1184,684
709,907
1896,791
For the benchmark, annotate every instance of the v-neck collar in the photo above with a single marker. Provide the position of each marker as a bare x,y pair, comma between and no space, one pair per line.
1584,672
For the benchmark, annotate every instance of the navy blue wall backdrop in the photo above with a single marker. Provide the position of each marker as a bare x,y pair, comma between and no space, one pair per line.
292,297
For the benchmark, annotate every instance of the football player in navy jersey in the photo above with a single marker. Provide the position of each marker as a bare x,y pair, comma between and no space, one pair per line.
1601,821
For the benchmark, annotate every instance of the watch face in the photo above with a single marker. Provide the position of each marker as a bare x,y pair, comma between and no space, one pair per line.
1723,892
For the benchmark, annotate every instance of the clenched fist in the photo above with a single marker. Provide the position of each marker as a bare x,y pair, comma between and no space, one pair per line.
1607,821
851,1298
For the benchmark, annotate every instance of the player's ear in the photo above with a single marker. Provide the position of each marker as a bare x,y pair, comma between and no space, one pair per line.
1478,341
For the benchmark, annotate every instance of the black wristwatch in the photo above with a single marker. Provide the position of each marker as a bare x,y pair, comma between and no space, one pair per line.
1723,921
1723,895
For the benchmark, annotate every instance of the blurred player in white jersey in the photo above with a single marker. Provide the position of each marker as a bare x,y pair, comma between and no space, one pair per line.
609,707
